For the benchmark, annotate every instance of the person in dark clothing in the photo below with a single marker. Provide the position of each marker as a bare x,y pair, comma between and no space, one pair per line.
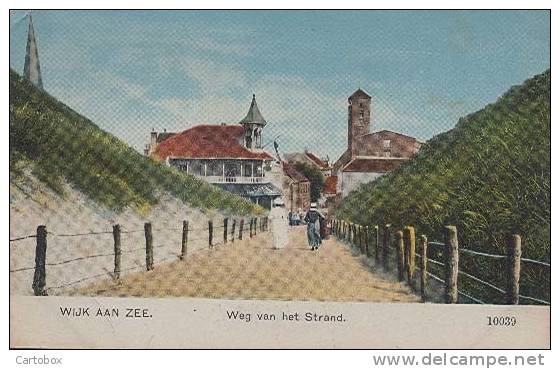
313,219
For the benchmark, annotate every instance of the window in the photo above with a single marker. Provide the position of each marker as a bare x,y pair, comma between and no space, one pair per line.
214,168
232,169
386,145
247,170
196,168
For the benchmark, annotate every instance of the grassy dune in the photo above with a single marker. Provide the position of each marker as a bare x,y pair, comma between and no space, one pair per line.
58,145
489,176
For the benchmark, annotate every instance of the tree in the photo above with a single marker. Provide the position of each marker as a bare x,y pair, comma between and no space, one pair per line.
315,177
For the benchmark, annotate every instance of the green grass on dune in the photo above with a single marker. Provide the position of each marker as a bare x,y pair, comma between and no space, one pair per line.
489,176
59,145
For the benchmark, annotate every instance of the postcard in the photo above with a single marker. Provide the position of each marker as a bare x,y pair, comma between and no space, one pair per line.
365,179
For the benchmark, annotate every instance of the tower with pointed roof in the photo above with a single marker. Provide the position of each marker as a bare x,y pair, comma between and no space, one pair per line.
32,69
253,125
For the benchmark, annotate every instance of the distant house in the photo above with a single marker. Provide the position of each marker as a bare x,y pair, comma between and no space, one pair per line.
229,156
369,154
330,189
309,158
296,188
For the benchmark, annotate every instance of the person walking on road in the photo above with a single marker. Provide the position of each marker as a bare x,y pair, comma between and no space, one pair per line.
279,222
313,219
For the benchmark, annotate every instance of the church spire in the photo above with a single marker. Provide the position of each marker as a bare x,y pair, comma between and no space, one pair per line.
253,124
254,116
32,69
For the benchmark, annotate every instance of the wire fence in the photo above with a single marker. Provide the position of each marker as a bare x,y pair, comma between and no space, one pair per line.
73,263
449,251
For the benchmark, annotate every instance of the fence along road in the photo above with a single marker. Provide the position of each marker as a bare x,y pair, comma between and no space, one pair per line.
75,259
376,241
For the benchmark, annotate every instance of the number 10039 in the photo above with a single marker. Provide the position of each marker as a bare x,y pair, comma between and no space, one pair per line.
502,321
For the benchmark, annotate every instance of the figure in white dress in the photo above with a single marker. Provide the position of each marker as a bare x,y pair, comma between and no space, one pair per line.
279,223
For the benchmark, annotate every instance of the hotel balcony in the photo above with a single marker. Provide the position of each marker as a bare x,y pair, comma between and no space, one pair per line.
237,179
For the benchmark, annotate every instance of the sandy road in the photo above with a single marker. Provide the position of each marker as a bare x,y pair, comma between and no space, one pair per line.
251,269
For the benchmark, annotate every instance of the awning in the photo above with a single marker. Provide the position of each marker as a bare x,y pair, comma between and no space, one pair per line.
251,189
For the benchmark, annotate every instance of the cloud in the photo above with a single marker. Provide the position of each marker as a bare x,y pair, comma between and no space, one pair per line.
208,109
214,78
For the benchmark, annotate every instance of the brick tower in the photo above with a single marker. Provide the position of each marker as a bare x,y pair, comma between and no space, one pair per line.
359,105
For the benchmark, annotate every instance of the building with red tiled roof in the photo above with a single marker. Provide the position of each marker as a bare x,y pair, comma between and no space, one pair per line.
229,156
369,155
208,141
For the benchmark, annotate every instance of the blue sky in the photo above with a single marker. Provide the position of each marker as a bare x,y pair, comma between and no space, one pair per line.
131,71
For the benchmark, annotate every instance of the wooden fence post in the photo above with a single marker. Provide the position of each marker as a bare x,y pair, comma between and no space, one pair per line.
118,251
149,246
251,228
184,239
368,249
386,241
339,229
451,264
357,236
410,239
513,269
210,233
225,230
378,242
424,268
400,254
233,230
40,276
362,240
241,225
